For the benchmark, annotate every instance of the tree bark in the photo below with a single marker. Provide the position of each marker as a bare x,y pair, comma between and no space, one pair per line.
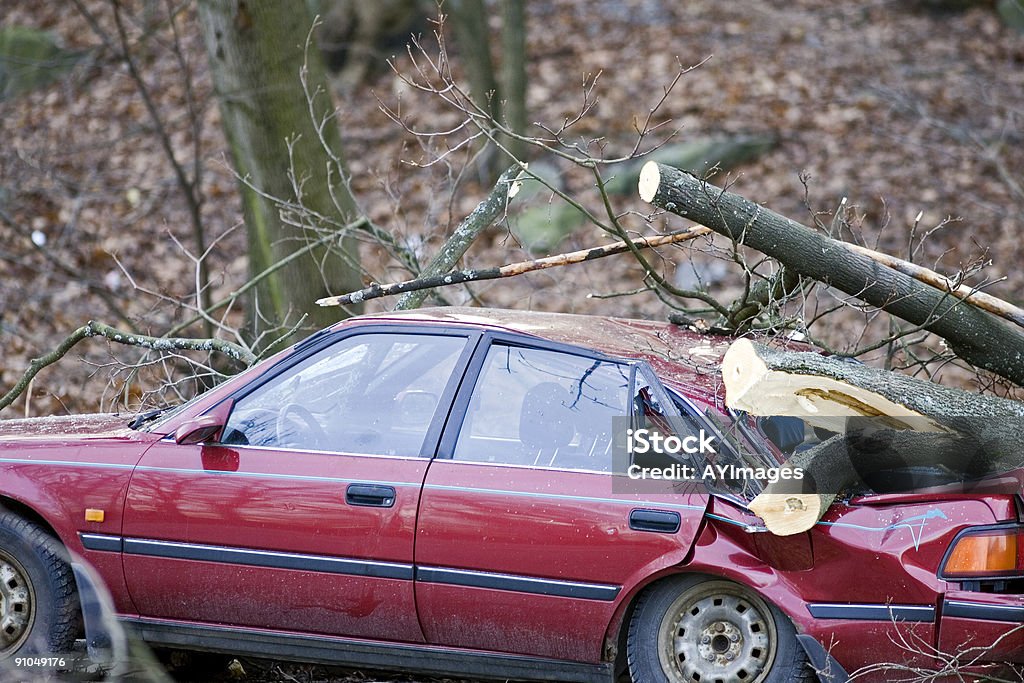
972,334
848,460
821,389
982,300
256,54
788,509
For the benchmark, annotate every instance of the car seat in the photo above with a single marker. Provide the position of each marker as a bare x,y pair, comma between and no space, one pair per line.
546,423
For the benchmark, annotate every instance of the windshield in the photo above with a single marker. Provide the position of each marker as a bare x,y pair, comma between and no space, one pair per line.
742,464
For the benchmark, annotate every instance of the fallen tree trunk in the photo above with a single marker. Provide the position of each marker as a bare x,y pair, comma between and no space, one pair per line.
887,422
825,391
863,457
793,507
974,335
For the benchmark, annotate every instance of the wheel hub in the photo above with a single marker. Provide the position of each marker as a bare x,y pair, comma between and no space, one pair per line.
720,642
16,604
718,637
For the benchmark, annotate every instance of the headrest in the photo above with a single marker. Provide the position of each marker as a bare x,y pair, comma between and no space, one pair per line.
546,422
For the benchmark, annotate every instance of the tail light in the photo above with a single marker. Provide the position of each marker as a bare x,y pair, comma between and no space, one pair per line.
985,552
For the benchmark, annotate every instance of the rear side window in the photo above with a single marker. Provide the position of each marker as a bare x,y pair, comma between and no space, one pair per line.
535,407
371,394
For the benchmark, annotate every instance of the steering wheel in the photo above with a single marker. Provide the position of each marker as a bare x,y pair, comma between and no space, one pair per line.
314,437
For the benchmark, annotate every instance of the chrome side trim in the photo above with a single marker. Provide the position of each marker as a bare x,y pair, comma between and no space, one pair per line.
69,463
267,558
272,475
563,496
273,559
520,584
103,542
872,612
549,468
980,610
309,451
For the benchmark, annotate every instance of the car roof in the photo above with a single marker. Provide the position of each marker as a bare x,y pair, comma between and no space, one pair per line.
687,360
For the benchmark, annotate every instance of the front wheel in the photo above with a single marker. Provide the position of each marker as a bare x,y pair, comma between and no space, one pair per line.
693,628
38,602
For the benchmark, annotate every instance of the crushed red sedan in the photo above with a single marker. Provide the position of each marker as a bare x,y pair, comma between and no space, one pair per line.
439,491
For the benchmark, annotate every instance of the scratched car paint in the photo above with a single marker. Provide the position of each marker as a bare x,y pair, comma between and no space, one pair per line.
434,492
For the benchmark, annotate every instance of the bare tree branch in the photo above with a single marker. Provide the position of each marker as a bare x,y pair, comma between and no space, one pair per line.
97,329
482,217
511,270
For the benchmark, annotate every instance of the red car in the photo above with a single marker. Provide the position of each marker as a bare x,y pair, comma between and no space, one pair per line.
435,491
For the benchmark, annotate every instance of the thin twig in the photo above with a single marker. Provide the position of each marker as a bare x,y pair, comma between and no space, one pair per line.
511,270
97,329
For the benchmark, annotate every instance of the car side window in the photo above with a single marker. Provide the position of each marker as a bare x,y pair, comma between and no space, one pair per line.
536,407
654,411
370,393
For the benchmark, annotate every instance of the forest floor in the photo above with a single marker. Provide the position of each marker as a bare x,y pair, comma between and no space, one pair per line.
899,110
895,108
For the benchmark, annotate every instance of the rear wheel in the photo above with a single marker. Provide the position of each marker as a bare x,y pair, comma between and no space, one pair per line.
38,602
698,630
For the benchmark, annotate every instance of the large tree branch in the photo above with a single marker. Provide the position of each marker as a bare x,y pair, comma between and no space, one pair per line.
97,329
889,422
481,218
475,275
983,300
973,334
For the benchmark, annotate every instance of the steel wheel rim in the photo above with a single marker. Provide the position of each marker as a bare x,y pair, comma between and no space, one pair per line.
17,604
716,632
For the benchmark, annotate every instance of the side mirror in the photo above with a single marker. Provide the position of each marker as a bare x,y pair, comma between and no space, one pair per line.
198,430
205,427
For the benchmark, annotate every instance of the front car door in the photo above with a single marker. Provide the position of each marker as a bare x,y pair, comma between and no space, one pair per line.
524,545
302,517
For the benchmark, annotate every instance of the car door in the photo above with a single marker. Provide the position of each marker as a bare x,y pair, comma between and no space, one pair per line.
302,517
526,541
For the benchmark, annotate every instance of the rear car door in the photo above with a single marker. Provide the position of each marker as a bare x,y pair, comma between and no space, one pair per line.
524,542
302,517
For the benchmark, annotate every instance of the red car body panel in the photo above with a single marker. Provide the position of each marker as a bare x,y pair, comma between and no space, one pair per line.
266,500
543,523
465,556
987,639
59,467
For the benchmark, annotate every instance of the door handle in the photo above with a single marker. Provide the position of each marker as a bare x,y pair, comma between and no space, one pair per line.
370,495
658,521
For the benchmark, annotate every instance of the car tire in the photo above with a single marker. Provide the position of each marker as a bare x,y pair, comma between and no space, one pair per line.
695,628
39,609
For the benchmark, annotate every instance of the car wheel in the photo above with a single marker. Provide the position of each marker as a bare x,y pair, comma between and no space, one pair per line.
692,629
38,601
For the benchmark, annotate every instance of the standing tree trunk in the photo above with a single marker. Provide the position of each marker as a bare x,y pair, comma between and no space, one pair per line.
256,53
472,35
513,71
505,101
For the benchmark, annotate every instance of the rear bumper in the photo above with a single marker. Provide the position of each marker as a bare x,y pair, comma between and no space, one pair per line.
982,628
